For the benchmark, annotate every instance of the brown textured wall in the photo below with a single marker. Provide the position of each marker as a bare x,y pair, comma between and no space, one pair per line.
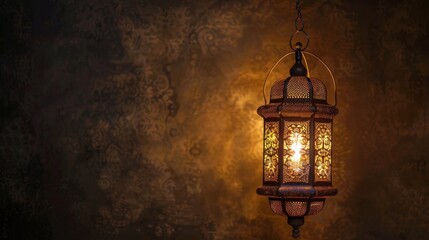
137,119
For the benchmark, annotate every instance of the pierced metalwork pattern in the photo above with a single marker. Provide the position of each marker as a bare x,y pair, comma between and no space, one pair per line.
277,90
323,146
276,206
271,147
315,207
295,208
296,152
319,89
297,87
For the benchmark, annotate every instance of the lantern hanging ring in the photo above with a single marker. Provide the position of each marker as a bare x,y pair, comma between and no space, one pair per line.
296,33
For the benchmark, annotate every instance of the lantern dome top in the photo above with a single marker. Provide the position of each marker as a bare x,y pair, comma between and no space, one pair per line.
298,87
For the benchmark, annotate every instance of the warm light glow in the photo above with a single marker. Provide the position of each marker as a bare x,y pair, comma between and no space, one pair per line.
296,148
323,152
296,152
271,157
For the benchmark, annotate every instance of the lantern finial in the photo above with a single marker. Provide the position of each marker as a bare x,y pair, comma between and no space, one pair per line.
298,69
295,222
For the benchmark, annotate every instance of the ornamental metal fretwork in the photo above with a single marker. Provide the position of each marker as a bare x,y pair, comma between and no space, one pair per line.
296,152
271,156
323,146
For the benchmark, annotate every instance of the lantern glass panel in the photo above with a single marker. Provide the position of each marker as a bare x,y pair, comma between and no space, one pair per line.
296,151
323,151
271,151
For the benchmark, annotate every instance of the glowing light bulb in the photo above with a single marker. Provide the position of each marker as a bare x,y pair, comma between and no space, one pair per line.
296,148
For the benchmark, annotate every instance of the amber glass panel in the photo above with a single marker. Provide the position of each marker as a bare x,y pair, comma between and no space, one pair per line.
296,152
271,151
323,152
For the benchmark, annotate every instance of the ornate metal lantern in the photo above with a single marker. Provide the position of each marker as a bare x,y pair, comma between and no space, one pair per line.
297,148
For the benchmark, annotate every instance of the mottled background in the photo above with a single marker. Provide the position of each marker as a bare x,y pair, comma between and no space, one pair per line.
131,119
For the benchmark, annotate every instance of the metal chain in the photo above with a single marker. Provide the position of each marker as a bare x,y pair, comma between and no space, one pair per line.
299,27
299,23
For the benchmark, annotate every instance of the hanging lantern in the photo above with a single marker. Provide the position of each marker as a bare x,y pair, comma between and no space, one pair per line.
297,147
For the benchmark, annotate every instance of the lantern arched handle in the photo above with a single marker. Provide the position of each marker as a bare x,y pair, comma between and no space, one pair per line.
271,71
330,73
305,61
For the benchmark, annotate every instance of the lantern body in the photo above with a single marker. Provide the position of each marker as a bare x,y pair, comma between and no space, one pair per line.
297,148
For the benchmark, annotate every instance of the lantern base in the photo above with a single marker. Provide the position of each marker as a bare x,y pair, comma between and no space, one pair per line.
295,222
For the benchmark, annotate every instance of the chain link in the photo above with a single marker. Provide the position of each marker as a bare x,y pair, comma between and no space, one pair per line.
299,23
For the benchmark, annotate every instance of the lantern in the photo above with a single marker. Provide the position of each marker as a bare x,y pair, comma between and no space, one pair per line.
297,144
297,148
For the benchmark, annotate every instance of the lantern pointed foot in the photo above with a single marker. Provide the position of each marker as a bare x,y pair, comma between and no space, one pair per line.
295,222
